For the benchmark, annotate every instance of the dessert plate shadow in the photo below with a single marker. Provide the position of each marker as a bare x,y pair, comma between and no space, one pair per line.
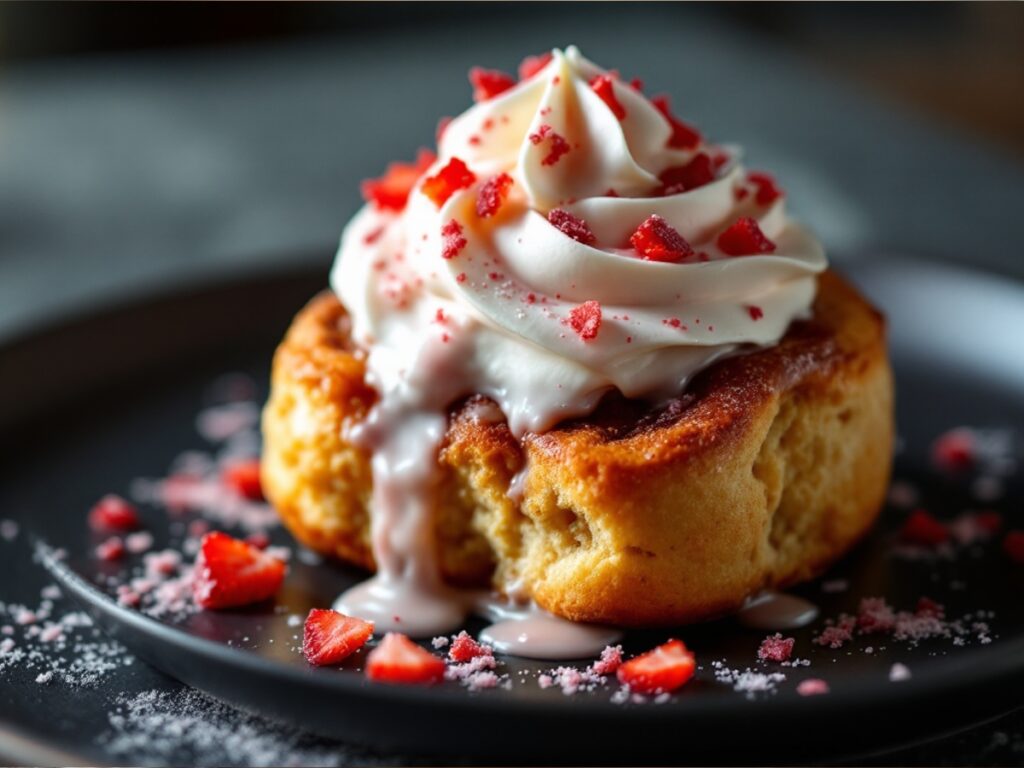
93,404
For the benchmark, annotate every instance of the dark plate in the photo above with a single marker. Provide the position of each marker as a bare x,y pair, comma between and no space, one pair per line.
86,407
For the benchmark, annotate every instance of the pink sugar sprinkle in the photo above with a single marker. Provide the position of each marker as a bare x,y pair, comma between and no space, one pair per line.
837,635
140,542
51,632
110,550
6,646
776,648
24,617
8,530
128,597
610,661
812,687
163,563
875,615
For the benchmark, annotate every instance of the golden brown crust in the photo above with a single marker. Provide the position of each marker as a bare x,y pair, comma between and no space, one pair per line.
767,469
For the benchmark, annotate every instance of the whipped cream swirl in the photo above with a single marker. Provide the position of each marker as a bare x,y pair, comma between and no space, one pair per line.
546,319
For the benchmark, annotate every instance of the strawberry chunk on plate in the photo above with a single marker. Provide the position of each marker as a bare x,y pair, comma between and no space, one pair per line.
661,670
330,636
244,478
112,513
231,573
399,660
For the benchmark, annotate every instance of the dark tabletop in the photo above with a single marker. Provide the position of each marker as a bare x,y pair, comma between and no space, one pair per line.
156,169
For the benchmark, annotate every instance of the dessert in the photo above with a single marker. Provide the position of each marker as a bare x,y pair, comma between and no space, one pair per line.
581,358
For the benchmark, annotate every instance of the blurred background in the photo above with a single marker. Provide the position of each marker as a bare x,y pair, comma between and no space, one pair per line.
142,146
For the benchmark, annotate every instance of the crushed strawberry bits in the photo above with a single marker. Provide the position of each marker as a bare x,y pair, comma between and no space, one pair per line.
449,180
556,143
492,194
488,83
682,178
604,87
744,238
231,573
531,65
112,513
391,191
452,241
683,135
244,478
657,240
571,226
585,319
921,528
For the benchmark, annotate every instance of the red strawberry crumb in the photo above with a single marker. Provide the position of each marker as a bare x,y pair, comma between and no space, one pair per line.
442,126
767,190
756,313
776,648
572,226
531,65
1013,546
921,528
657,240
683,178
558,146
464,648
875,615
604,87
244,478
812,687
585,319
259,540
474,140
610,660
112,513
837,635
683,136
955,450
230,573
397,659
110,550
492,194
531,298
928,607
373,235
452,241
744,238
663,669
460,278
391,191
488,83
637,84
330,636
449,180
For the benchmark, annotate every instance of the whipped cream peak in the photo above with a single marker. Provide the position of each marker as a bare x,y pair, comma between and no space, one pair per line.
571,237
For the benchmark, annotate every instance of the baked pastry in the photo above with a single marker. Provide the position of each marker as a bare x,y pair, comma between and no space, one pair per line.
583,358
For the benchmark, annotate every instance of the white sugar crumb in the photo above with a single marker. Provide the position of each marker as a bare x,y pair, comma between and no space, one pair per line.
44,677
187,726
439,642
294,620
747,681
898,673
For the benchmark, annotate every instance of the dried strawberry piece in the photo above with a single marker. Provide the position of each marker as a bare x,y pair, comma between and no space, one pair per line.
531,65
465,648
488,83
921,528
1013,546
756,313
776,648
682,178
573,226
954,451
391,191
767,189
585,319
683,136
452,240
744,238
230,573
449,180
112,513
492,194
604,87
244,478
557,147
110,550
657,240
329,636
399,660
661,670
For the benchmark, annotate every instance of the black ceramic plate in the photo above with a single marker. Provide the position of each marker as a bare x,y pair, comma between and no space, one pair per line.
89,406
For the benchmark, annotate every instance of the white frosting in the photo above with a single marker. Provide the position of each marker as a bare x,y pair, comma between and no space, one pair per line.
494,319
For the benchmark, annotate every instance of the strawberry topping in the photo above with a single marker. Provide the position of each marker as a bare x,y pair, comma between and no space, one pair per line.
329,636
488,83
399,660
955,450
682,178
571,226
452,240
244,478
657,240
776,648
604,87
110,550
112,513
756,313
683,136
230,573
531,65
767,190
391,191
465,648
557,145
663,669
744,238
492,194
1013,546
921,528
585,319
449,180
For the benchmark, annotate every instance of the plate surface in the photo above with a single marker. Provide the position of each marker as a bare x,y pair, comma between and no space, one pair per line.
90,407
